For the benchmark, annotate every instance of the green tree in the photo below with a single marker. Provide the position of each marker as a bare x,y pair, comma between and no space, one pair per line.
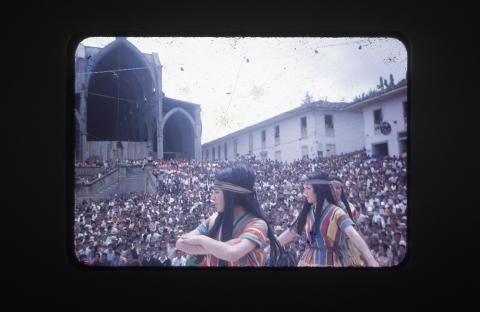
380,86
307,99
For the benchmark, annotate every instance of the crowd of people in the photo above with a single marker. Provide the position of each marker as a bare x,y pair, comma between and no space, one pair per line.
140,229
85,179
104,167
93,163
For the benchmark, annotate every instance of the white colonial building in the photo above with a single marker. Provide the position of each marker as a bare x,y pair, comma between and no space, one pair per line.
385,121
322,129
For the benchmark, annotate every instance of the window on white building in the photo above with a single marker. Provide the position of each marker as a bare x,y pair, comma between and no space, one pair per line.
250,143
235,145
303,127
277,135
264,139
330,150
405,112
329,128
319,149
225,151
213,153
206,157
377,120
219,150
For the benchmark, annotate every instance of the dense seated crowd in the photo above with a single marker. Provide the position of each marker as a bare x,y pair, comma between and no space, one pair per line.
140,229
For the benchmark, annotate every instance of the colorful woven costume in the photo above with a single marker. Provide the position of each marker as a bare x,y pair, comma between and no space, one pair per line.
249,227
329,245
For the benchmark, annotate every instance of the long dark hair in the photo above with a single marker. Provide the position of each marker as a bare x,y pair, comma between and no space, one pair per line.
343,198
239,174
323,191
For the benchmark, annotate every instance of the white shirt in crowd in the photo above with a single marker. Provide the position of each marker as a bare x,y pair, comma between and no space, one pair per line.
110,256
179,261
377,218
296,213
170,251
153,226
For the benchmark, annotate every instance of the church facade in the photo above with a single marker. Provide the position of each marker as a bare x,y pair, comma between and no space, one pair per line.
121,111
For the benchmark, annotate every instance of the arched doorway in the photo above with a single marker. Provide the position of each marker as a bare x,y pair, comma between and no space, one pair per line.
119,89
178,135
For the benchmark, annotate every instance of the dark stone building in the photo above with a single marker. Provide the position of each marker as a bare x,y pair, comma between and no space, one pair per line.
121,111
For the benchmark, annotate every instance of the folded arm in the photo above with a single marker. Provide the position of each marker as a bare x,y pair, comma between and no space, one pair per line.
190,243
229,251
189,248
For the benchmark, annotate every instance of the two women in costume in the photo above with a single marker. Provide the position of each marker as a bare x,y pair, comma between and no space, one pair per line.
239,235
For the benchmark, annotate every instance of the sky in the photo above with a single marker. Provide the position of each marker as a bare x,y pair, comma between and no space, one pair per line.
240,81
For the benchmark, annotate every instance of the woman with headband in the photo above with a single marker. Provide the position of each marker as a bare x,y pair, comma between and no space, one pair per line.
351,254
326,227
340,197
237,233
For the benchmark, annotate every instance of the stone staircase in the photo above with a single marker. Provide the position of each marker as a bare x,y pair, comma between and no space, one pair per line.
135,180
108,191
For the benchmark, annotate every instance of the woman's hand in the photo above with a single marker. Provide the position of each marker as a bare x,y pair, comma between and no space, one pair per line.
360,244
266,250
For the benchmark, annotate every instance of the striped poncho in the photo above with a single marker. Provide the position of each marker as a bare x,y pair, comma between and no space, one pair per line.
330,246
248,227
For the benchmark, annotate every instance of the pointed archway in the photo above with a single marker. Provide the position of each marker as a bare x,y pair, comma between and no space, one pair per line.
178,129
120,87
